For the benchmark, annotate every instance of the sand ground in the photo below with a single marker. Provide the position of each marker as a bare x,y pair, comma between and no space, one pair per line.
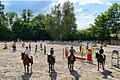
11,67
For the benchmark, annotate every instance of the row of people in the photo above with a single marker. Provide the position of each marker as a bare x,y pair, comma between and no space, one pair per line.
23,45
71,58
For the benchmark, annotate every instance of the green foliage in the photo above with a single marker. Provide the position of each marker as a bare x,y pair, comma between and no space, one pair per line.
59,25
1,10
106,23
38,27
114,18
26,15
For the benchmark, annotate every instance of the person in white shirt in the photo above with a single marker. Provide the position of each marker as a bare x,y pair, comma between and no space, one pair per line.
27,52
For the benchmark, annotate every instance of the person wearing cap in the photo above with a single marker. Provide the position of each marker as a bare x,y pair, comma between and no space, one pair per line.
72,51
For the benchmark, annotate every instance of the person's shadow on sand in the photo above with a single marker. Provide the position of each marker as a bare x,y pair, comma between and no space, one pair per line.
26,76
106,73
53,75
75,74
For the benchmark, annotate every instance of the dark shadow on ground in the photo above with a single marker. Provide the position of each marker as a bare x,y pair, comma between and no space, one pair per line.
26,76
107,73
91,63
53,75
75,74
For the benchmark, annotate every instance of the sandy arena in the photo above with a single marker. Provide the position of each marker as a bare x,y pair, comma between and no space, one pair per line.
11,67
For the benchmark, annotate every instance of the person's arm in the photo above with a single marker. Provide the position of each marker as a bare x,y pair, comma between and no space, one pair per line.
103,50
74,52
105,56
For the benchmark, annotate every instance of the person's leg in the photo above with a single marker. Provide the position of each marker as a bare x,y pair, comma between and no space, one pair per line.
49,67
98,66
72,66
103,65
68,65
25,68
53,66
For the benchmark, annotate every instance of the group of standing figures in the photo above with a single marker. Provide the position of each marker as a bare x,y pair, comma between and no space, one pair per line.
100,56
28,59
51,59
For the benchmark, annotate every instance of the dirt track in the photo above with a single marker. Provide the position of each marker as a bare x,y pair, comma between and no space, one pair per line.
11,67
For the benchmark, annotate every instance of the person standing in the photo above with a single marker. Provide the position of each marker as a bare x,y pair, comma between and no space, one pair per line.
44,49
80,47
89,56
87,47
40,45
23,45
30,46
14,46
5,45
35,48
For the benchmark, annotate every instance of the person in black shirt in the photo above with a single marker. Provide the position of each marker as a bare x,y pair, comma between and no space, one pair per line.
72,51
101,51
101,58
51,60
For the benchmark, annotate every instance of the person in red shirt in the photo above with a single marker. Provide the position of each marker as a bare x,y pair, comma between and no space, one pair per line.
89,56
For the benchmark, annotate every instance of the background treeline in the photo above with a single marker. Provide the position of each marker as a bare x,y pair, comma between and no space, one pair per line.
60,24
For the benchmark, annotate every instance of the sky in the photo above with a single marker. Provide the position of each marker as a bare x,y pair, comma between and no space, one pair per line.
85,10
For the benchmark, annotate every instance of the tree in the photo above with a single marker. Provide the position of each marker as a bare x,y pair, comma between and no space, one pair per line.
49,24
11,16
68,20
57,15
5,33
1,10
100,28
114,18
62,26
26,15
17,29
38,27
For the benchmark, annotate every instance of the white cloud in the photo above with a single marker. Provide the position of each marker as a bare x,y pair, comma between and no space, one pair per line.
96,13
109,4
6,3
81,2
85,2
80,10
83,20
74,1
26,0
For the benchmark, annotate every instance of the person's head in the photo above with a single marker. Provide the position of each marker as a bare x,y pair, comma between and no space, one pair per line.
71,47
26,47
101,47
89,50
51,48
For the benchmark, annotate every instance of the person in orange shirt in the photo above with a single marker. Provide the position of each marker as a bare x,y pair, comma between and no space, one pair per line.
66,52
